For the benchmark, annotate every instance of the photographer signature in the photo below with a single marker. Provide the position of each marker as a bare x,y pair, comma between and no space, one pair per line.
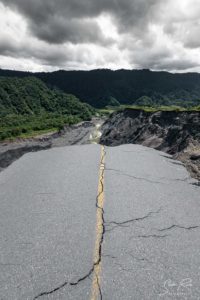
177,288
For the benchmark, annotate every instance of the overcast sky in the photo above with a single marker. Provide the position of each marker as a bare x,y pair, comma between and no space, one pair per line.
46,35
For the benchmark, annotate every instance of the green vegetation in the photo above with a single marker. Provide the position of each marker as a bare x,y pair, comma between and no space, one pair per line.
160,108
13,126
28,106
101,88
110,109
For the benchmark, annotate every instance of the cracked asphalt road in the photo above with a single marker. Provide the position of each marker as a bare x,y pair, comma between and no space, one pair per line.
136,236
48,217
152,227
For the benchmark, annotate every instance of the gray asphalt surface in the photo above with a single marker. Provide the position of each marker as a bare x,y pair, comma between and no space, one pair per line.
152,227
48,219
151,242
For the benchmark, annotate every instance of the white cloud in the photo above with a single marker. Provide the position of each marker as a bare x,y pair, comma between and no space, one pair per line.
50,35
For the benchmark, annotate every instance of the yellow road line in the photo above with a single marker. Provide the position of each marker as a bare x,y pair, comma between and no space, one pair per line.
96,292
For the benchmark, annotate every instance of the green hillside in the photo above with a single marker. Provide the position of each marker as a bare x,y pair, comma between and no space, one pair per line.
27,105
100,88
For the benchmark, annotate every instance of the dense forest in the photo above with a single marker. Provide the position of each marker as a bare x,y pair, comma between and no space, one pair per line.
100,88
27,105
46,101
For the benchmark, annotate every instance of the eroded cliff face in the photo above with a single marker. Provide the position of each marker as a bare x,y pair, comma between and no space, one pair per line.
177,133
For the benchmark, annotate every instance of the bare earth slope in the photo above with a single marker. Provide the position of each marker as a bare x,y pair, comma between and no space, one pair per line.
177,133
82,133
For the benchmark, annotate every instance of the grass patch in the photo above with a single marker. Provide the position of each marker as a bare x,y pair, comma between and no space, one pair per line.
33,134
15,126
109,110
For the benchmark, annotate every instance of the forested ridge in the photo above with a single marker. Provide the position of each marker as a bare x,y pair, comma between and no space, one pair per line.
105,87
33,102
28,105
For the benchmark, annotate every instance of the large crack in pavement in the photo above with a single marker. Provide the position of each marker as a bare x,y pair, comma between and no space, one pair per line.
133,177
156,236
99,241
64,284
157,181
100,230
126,223
179,227
100,205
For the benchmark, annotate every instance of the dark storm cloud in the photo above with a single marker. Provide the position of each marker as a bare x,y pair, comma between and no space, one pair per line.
163,61
7,47
76,31
46,56
42,10
191,36
175,64
155,34
60,21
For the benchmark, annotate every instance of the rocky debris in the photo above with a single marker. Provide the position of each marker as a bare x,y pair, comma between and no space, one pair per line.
176,133
191,158
195,156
